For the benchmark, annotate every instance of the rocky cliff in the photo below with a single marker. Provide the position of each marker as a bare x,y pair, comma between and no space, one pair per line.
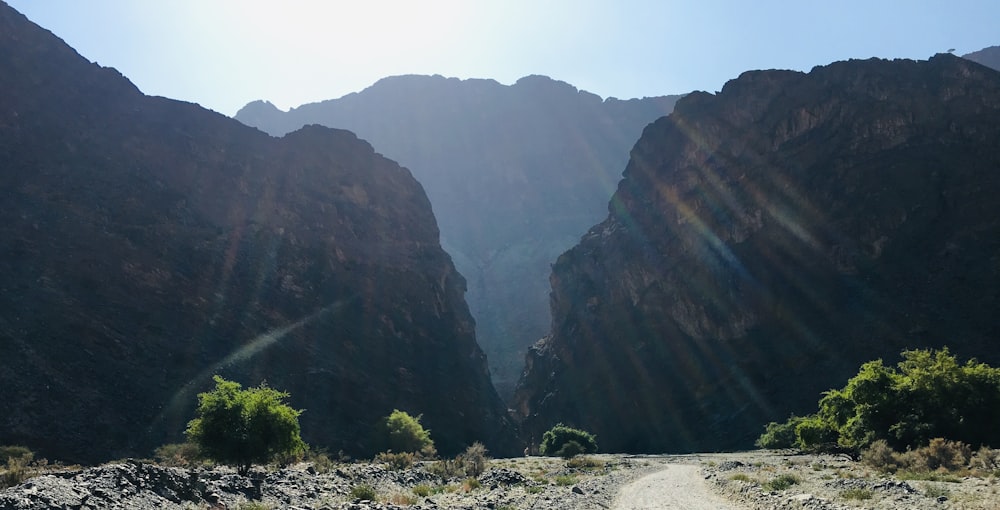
146,244
767,240
516,174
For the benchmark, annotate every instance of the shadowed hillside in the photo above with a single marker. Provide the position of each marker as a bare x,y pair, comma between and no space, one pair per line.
769,239
147,244
516,174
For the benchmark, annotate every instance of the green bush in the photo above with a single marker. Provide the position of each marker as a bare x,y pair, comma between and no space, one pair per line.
781,482
928,395
401,432
567,442
364,492
243,427
779,435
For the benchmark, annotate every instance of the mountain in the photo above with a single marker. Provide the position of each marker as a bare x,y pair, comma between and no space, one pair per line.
989,57
766,241
146,244
516,174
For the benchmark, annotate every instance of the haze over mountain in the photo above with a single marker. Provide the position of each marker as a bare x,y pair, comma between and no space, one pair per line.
148,243
766,241
989,57
516,174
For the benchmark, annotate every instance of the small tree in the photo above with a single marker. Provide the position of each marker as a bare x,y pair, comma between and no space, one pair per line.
402,433
244,427
566,442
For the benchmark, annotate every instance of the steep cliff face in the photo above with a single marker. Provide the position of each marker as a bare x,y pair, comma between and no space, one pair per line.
767,240
147,244
516,174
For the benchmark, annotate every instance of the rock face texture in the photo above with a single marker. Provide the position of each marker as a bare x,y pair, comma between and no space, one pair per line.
768,240
146,244
516,174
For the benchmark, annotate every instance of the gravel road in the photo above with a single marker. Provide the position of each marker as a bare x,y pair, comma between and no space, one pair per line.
678,487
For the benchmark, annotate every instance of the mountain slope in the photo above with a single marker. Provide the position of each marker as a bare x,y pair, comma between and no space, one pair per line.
766,241
989,57
516,174
147,244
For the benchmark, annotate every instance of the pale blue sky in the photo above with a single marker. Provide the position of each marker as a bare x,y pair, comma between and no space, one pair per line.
225,53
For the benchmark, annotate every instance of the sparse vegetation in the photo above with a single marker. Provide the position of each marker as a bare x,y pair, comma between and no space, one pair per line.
470,484
584,462
321,462
396,461
17,467
740,477
244,427
364,492
564,480
474,460
401,499
781,482
423,490
178,454
567,442
938,456
857,494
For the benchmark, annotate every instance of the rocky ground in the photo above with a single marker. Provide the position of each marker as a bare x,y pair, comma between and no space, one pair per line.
746,479
828,482
534,482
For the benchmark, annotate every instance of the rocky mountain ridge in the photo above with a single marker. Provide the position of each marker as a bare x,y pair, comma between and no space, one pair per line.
769,239
148,243
516,174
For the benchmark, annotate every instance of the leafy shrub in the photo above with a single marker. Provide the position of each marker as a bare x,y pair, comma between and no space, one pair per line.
929,394
814,433
243,427
177,454
401,432
396,461
567,442
364,492
779,435
781,482
422,490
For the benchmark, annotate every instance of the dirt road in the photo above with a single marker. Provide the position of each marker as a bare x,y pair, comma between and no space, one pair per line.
678,487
